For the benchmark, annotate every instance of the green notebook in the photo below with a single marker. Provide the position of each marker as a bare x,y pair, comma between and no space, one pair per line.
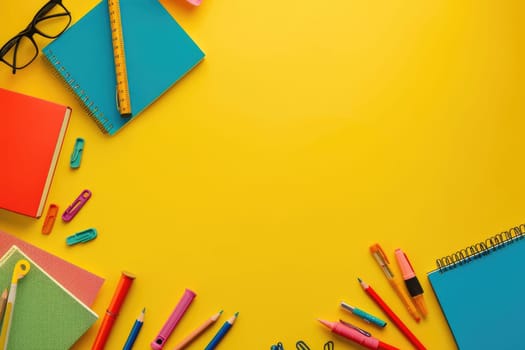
45,315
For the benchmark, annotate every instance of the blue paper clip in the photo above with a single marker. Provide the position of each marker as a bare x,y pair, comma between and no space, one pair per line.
278,346
76,156
82,237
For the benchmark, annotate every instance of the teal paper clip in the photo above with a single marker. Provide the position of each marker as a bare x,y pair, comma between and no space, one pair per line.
76,156
82,237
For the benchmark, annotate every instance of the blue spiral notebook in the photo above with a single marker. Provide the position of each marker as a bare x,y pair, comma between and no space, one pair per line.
158,53
481,292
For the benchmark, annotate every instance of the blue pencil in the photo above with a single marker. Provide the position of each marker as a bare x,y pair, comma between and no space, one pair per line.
221,333
135,331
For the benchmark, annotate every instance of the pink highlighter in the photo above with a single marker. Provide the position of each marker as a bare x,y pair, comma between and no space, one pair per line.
172,321
194,2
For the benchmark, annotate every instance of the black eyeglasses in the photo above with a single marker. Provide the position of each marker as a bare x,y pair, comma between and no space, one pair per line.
50,21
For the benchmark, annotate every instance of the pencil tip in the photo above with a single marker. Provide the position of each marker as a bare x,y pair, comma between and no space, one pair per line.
236,314
220,312
359,279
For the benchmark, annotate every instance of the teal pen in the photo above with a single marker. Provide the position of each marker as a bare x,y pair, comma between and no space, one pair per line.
364,315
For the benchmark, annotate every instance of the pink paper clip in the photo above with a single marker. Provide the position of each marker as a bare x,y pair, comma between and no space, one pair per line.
73,209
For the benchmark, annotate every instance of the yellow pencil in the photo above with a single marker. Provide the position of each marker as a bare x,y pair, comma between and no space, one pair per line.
20,270
3,301
193,335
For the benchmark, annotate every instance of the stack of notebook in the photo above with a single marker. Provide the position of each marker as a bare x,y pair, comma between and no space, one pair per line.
46,315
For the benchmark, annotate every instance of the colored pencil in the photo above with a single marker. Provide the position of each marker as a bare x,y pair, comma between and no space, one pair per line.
198,331
388,311
133,334
221,333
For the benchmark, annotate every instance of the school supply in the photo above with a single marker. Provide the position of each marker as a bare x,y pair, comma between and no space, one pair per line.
363,314
329,345
50,21
353,335
301,345
82,237
81,283
119,56
75,207
382,259
480,290
3,301
198,331
278,346
173,320
412,283
47,316
158,54
123,286
133,334
21,268
221,333
393,317
31,134
194,2
49,221
76,156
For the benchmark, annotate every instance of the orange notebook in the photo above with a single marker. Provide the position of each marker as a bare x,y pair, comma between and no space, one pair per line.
31,134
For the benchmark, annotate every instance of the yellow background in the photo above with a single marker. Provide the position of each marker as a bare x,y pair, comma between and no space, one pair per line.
312,130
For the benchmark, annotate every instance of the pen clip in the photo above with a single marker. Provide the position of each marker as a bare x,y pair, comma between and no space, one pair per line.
378,252
360,330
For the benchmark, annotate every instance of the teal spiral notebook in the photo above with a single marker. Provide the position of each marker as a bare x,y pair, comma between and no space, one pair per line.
158,53
481,292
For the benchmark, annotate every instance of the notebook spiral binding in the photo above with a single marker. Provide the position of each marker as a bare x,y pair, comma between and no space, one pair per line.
480,249
88,105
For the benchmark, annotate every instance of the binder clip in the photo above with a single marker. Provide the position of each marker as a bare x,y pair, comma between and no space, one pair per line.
76,156
82,237
73,209
50,219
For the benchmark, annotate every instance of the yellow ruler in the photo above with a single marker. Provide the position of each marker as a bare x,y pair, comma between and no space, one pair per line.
117,38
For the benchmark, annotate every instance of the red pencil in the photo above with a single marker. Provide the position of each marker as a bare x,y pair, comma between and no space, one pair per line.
388,311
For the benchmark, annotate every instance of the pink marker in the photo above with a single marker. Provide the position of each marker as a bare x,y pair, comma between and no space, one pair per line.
357,336
173,320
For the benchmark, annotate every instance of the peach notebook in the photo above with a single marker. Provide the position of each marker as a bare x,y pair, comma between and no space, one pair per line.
82,283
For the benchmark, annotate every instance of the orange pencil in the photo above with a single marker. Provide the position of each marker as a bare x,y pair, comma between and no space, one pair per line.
193,335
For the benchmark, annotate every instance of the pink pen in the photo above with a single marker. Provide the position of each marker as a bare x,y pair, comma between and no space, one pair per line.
173,320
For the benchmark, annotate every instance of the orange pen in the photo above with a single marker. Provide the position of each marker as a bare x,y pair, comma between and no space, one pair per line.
381,258
112,312
414,287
